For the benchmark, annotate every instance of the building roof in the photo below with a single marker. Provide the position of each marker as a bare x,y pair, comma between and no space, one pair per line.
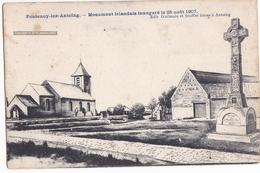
217,85
204,77
70,91
222,90
41,90
80,71
27,100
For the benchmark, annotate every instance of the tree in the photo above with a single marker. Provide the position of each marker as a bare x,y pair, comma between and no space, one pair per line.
137,111
110,111
165,99
119,109
152,104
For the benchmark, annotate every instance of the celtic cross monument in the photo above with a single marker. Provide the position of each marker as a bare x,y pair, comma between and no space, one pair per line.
236,121
235,35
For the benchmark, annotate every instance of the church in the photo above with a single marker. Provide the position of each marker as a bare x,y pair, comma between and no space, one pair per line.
201,94
55,99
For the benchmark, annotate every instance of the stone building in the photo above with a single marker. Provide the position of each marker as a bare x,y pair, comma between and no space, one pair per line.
201,94
55,98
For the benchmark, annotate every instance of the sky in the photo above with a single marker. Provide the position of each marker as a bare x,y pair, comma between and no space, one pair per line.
130,58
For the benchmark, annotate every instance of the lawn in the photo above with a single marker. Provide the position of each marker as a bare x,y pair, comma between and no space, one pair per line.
141,125
177,137
55,125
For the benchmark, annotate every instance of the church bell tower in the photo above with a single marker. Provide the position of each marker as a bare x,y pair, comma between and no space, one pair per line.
82,79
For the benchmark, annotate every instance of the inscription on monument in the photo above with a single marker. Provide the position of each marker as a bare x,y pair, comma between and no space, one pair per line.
231,119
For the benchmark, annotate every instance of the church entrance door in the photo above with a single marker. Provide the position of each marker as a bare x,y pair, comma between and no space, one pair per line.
199,110
15,112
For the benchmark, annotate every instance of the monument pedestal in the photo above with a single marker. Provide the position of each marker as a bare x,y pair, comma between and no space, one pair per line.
258,122
235,120
236,124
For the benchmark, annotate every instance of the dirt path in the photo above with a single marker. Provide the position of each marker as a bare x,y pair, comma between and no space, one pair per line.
179,155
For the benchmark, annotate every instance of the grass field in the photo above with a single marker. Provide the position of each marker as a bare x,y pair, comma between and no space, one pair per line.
55,125
142,125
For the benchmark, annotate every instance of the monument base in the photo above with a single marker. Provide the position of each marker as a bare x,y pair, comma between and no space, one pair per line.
249,138
236,120
258,123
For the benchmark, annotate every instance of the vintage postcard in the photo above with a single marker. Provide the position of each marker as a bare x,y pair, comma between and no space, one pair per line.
102,84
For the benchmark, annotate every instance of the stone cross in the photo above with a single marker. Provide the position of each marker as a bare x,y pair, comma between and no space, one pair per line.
235,35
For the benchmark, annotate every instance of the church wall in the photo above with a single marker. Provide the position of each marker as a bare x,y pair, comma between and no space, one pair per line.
66,109
43,103
42,110
57,99
93,107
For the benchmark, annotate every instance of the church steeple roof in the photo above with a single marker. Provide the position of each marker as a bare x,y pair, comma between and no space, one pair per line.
80,71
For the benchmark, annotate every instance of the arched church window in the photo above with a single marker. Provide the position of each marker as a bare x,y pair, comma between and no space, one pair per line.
71,106
80,106
88,107
48,105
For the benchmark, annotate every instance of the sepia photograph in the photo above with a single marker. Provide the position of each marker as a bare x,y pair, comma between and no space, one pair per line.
131,83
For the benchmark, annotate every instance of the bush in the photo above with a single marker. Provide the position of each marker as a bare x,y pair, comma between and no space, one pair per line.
119,109
110,111
137,111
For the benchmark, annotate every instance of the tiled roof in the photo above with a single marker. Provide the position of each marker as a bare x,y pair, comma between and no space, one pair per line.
41,90
221,90
27,100
204,77
217,85
80,71
70,91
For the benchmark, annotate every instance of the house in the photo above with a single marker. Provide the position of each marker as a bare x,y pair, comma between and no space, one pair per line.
51,98
201,94
147,110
